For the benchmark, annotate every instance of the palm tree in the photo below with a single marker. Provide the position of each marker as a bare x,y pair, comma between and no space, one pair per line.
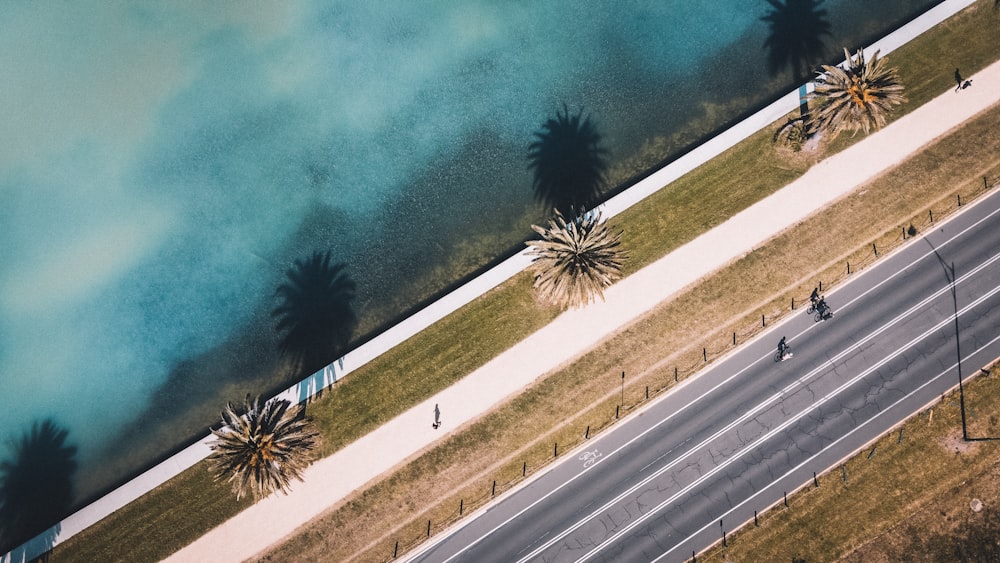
315,316
569,163
263,448
858,97
574,262
36,485
796,39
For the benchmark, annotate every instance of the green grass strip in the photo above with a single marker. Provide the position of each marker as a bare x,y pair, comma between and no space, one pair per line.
180,511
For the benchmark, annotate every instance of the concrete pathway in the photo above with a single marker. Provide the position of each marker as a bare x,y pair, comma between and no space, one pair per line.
166,470
574,332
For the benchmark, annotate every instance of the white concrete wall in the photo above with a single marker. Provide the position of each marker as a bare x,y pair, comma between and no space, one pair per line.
399,333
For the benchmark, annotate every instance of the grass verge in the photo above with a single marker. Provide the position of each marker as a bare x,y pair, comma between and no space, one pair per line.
518,437
180,511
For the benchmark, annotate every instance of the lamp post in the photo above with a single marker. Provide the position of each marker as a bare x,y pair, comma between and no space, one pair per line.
958,352
952,280
623,389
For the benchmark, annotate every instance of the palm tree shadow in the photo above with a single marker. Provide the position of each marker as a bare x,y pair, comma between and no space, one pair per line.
315,316
36,491
796,38
569,164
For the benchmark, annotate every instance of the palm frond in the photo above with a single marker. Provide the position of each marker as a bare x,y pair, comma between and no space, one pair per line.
858,96
261,449
575,261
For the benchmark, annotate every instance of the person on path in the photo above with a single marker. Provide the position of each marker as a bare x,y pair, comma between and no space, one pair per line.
437,417
958,80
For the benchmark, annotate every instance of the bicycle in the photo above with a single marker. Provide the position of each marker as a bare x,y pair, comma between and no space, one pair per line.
783,355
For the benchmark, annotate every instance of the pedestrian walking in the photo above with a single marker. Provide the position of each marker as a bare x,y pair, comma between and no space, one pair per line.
958,80
437,417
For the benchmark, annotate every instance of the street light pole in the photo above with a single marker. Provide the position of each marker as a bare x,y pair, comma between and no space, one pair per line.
958,352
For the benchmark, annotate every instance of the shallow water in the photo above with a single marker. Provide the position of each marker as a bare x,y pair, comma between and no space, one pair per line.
164,164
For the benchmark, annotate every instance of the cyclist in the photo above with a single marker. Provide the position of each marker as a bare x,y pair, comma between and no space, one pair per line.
782,348
823,309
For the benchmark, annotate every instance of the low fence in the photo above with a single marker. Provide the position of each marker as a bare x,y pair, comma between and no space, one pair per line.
453,510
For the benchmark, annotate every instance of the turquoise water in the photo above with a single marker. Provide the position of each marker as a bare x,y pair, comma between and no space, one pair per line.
163,164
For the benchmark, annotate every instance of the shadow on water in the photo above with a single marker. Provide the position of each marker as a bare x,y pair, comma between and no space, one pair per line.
462,213
315,317
796,35
717,97
36,489
393,282
568,162
180,411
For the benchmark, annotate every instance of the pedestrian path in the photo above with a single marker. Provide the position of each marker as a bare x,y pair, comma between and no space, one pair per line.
359,474
574,332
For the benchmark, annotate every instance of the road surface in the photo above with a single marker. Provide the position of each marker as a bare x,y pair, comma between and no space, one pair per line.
666,483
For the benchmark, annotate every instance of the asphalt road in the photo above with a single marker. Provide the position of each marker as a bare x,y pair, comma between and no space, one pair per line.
666,483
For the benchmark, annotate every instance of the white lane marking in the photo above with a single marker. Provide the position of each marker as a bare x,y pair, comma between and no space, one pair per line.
912,263
589,458
781,427
752,413
703,395
946,371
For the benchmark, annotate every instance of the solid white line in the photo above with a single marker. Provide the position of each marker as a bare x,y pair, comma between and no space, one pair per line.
927,254
760,407
737,374
753,413
781,427
944,372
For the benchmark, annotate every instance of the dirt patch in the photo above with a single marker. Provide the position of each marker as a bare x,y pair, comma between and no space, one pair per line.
953,443
948,515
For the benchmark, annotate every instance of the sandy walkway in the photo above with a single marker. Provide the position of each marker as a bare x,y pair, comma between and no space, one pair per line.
572,333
